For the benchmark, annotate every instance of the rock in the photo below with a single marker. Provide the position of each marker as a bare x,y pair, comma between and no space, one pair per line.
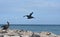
10,36
22,33
47,34
1,35
35,35
26,34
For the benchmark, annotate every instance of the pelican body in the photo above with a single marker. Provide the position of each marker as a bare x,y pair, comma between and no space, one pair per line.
6,26
29,16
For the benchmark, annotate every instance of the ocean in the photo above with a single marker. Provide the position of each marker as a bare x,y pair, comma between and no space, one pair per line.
37,28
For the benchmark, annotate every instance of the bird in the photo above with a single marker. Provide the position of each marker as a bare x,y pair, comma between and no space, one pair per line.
29,16
6,26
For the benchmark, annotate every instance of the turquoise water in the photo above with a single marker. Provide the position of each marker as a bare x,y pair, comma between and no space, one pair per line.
38,28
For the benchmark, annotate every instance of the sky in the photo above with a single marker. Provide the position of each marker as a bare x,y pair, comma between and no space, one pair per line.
44,11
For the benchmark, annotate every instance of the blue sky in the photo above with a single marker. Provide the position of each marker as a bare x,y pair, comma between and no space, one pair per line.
45,11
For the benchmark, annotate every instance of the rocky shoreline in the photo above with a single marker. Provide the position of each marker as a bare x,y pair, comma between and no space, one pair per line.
23,33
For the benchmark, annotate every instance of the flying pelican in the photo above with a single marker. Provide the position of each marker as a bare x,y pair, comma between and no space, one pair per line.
6,26
29,16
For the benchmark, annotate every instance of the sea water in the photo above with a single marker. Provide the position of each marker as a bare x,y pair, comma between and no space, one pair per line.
37,28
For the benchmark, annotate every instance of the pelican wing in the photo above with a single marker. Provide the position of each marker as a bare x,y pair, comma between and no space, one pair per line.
25,16
31,13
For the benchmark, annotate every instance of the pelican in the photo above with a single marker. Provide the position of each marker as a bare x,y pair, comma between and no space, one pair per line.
6,26
29,16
